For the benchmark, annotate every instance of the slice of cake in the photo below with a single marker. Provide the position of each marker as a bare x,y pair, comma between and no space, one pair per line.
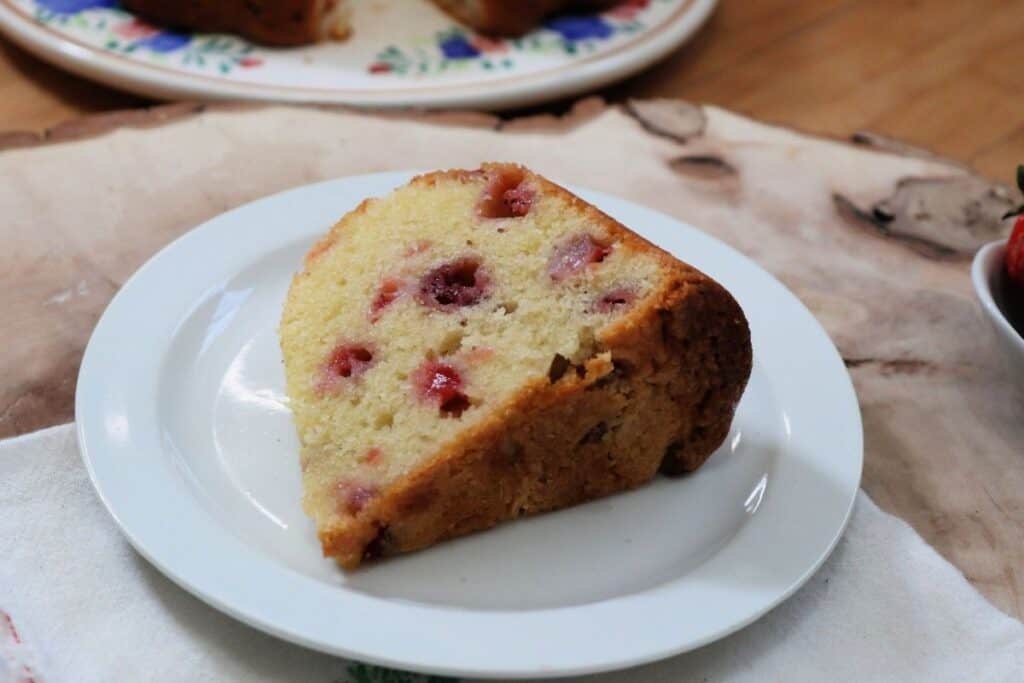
481,345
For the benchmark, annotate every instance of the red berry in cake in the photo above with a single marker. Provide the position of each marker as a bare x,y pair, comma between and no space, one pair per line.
349,361
353,496
519,200
441,383
507,195
344,362
373,456
574,255
614,299
452,285
1015,254
390,289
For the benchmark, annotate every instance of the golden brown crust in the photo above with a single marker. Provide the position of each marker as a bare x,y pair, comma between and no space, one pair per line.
659,392
272,22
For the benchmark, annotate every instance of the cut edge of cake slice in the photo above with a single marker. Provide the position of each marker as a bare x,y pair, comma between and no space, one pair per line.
652,384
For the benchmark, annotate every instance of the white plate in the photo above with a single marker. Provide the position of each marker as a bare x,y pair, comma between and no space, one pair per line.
185,430
401,53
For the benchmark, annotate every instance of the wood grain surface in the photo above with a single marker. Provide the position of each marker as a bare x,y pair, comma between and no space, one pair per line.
939,74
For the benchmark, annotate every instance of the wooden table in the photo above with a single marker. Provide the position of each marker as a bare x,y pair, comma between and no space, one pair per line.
938,74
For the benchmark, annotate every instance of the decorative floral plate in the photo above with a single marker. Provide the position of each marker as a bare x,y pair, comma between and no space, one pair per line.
401,53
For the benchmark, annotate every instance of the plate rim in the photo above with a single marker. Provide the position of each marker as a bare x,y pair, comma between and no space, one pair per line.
144,79
91,446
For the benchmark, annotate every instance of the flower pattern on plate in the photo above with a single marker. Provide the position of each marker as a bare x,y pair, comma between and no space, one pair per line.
105,24
459,48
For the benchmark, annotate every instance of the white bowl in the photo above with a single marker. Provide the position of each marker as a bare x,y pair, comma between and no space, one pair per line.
989,278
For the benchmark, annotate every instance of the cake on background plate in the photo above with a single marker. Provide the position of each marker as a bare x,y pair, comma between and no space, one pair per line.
512,17
271,22
482,345
299,22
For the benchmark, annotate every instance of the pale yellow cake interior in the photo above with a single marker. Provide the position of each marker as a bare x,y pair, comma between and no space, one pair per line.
499,344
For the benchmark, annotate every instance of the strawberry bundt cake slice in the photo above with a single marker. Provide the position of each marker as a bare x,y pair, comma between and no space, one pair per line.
481,345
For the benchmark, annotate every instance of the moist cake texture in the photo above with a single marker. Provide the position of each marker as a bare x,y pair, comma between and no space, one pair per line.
481,345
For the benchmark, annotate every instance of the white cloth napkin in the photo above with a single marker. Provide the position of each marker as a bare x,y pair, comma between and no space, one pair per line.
78,605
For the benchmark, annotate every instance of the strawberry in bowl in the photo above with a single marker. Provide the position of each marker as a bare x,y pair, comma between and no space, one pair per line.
998,277
1014,262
